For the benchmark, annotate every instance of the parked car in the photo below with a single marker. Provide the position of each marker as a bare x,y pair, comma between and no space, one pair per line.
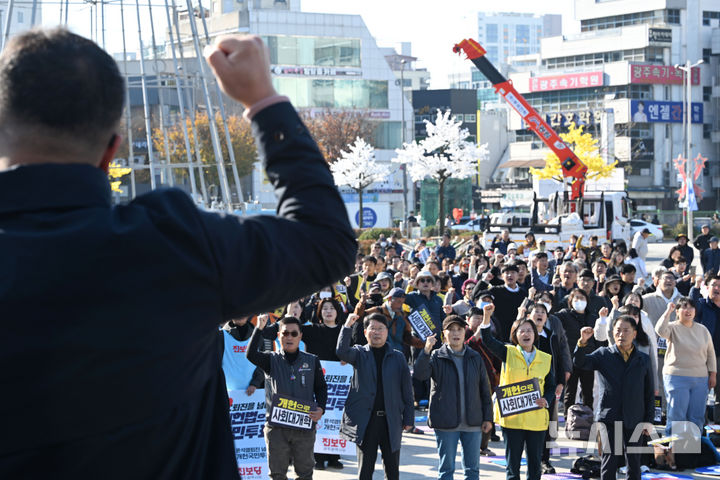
637,225
466,223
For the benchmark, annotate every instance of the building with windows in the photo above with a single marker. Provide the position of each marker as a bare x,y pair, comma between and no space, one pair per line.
618,78
325,62
24,16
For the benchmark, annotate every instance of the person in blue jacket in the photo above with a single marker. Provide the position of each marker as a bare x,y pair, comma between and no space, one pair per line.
627,399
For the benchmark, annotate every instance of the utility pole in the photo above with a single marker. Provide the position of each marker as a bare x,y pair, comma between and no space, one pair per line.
404,167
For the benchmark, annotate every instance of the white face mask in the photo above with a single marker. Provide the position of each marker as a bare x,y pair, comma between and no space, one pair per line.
579,305
325,295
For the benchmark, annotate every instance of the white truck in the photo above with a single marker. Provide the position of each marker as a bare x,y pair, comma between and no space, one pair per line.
556,219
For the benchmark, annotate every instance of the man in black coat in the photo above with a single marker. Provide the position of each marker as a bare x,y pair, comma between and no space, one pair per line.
702,241
627,397
685,249
107,390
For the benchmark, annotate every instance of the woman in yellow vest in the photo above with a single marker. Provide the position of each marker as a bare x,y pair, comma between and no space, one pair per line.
524,429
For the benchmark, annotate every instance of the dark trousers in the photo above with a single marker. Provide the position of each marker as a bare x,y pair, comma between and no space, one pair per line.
286,443
716,410
326,457
615,449
586,379
377,435
515,442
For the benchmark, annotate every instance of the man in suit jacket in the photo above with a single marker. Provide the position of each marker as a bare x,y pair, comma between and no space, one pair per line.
109,344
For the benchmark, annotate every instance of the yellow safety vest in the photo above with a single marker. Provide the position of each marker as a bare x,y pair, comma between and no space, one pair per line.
515,369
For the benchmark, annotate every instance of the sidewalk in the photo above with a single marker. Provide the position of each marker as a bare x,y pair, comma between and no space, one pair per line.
419,457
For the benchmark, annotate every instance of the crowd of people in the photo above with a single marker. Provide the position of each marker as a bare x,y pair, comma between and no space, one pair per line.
583,319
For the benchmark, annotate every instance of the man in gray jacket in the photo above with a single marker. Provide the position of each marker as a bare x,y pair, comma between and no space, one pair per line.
380,403
460,404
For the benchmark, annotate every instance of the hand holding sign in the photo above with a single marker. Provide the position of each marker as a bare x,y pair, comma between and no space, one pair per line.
316,414
541,402
586,334
430,343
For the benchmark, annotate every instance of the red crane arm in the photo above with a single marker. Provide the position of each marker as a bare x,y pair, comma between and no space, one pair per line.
571,165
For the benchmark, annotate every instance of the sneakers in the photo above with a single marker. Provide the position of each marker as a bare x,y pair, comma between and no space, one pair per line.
415,430
494,437
319,465
547,468
487,453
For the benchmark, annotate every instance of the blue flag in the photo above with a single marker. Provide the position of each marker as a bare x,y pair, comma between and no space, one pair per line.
691,200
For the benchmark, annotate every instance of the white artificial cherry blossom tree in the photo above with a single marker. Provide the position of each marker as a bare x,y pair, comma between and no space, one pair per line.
358,170
444,153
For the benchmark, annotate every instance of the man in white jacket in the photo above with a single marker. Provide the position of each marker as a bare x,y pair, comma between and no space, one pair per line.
640,243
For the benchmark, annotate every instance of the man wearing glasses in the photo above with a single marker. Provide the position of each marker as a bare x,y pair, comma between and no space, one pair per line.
296,374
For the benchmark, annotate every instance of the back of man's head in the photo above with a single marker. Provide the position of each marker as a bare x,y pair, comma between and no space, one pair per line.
56,89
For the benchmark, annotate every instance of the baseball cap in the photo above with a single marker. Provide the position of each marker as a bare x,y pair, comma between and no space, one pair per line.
645,230
587,274
613,278
705,225
713,239
425,274
680,235
450,319
512,246
486,293
383,276
375,285
397,292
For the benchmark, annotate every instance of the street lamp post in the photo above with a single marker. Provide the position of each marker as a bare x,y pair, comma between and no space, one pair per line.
402,128
687,68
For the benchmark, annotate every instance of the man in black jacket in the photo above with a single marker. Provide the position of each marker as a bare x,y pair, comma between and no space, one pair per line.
108,382
627,400
460,405
702,241
508,298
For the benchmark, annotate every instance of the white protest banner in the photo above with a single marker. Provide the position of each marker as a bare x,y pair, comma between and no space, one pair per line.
422,323
327,439
518,397
291,412
247,419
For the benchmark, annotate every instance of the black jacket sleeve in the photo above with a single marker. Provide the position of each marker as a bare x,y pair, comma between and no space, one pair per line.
497,347
277,250
258,378
486,394
320,387
549,385
256,357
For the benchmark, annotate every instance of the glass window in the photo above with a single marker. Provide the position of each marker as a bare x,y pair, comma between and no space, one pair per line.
333,93
20,17
314,51
706,54
388,135
491,33
522,34
673,16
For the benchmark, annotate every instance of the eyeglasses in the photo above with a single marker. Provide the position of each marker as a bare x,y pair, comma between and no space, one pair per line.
293,333
424,280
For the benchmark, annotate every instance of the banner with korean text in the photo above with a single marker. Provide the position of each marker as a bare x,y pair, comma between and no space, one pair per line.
247,419
327,438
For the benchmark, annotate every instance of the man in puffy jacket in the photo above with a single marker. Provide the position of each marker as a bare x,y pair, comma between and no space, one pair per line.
460,405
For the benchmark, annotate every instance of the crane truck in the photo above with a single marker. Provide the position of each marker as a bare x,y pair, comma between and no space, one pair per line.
566,213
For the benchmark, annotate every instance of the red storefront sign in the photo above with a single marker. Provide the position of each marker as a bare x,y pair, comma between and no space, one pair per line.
662,74
564,82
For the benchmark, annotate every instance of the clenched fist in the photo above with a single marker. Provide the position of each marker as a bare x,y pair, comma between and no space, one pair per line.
242,66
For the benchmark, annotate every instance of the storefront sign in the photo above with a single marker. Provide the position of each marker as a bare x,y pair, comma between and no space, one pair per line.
565,82
327,439
580,117
661,74
650,111
422,323
291,412
316,71
660,35
247,418
518,397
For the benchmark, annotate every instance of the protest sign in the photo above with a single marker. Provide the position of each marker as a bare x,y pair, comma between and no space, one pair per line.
247,418
422,323
291,412
657,419
327,439
518,397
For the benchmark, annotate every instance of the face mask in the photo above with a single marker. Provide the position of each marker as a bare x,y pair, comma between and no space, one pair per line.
579,305
376,298
456,269
383,244
547,306
325,295
483,304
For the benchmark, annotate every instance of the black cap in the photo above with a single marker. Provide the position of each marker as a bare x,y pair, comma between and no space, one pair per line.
613,278
450,319
587,274
486,293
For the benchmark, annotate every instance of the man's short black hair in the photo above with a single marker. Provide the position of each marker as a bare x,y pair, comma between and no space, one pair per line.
285,321
377,317
627,268
540,255
55,82
370,258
